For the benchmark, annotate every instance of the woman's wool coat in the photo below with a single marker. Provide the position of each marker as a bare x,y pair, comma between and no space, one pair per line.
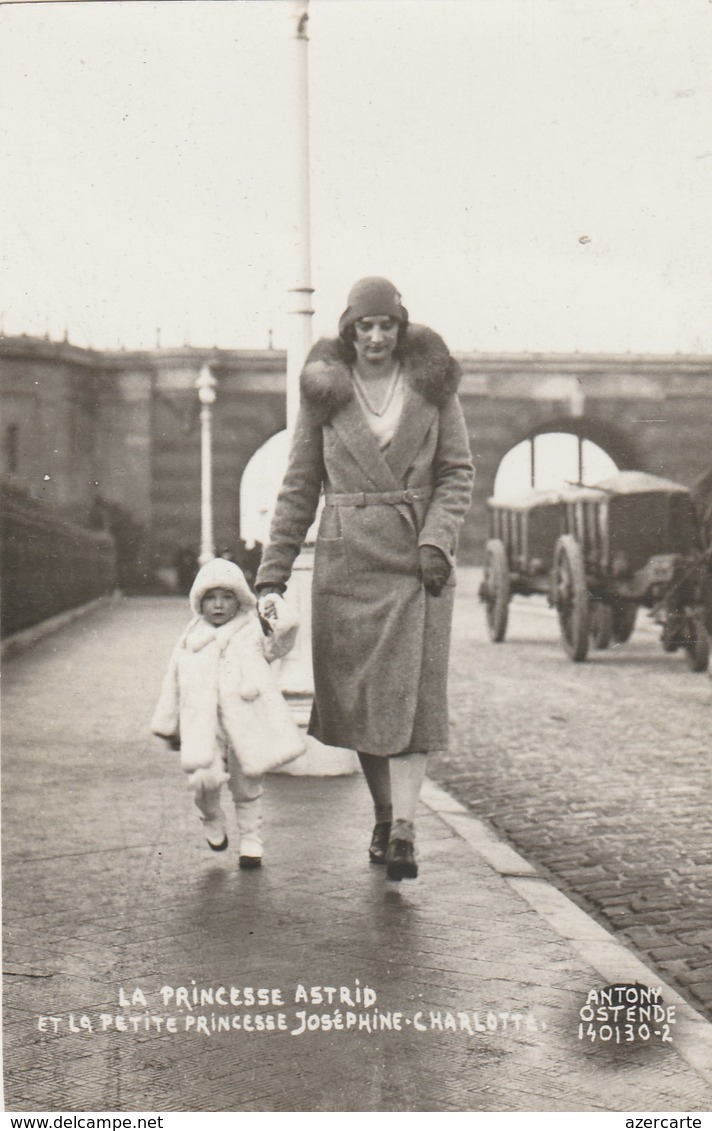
380,642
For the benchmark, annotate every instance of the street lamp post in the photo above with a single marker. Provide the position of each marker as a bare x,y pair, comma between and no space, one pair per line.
206,385
301,313
296,677
296,671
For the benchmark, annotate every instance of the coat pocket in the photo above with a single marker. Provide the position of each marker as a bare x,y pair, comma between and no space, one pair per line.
331,568
332,576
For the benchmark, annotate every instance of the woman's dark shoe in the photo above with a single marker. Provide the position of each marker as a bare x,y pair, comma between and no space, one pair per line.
400,860
379,842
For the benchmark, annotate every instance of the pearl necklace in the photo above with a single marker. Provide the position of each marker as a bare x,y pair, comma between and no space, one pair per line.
389,394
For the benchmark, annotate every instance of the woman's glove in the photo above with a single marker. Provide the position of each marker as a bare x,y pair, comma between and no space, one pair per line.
268,587
266,610
434,569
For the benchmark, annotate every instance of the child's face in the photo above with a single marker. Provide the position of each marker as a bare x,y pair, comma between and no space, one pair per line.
218,606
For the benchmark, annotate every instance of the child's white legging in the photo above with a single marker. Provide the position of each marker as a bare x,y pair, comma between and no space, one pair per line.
246,795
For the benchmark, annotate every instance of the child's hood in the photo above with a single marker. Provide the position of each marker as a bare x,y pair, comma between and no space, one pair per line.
221,573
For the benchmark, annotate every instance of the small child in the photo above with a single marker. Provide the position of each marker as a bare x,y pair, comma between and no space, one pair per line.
220,704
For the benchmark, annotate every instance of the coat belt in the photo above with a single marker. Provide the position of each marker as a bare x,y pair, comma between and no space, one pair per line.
376,498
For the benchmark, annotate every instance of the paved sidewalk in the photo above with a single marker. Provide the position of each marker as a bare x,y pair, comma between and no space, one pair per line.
110,895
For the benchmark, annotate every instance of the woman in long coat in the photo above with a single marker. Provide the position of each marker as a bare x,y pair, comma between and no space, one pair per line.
381,432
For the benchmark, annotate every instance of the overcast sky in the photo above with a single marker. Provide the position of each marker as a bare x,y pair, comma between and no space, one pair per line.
532,174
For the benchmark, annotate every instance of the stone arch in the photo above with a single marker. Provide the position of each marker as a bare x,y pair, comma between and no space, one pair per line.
619,446
242,420
247,421
563,450
260,481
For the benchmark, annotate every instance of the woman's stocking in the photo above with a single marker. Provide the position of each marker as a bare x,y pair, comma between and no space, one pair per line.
377,774
407,772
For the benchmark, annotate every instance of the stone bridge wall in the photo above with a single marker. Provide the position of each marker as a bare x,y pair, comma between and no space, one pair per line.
126,424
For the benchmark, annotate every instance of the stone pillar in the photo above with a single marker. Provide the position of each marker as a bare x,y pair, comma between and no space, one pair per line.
126,452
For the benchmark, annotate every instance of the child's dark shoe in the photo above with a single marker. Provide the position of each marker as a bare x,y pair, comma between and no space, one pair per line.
250,852
215,831
247,862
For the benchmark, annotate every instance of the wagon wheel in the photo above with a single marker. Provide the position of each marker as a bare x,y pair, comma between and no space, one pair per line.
571,597
697,645
624,617
600,624
669,642
495,589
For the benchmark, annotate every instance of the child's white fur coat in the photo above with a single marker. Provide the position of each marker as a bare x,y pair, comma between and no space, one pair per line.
220,678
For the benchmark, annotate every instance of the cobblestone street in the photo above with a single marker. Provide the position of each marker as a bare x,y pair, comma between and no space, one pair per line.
599,773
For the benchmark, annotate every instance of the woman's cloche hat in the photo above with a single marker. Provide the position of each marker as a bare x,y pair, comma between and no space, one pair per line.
370,297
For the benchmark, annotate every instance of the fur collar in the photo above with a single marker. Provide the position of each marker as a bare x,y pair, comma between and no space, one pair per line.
200,632
428,368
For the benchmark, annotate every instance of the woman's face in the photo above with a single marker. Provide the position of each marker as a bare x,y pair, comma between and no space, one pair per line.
219,606
376,339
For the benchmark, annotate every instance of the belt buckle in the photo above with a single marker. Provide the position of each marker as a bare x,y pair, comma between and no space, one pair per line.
409,495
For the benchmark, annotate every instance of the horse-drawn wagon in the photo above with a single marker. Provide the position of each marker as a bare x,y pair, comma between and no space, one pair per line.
599,554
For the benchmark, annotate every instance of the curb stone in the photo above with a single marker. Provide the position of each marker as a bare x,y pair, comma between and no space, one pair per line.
593,943
28,637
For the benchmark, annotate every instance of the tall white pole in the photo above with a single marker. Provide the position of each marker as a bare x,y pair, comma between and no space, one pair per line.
206,385
300,309
296,674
